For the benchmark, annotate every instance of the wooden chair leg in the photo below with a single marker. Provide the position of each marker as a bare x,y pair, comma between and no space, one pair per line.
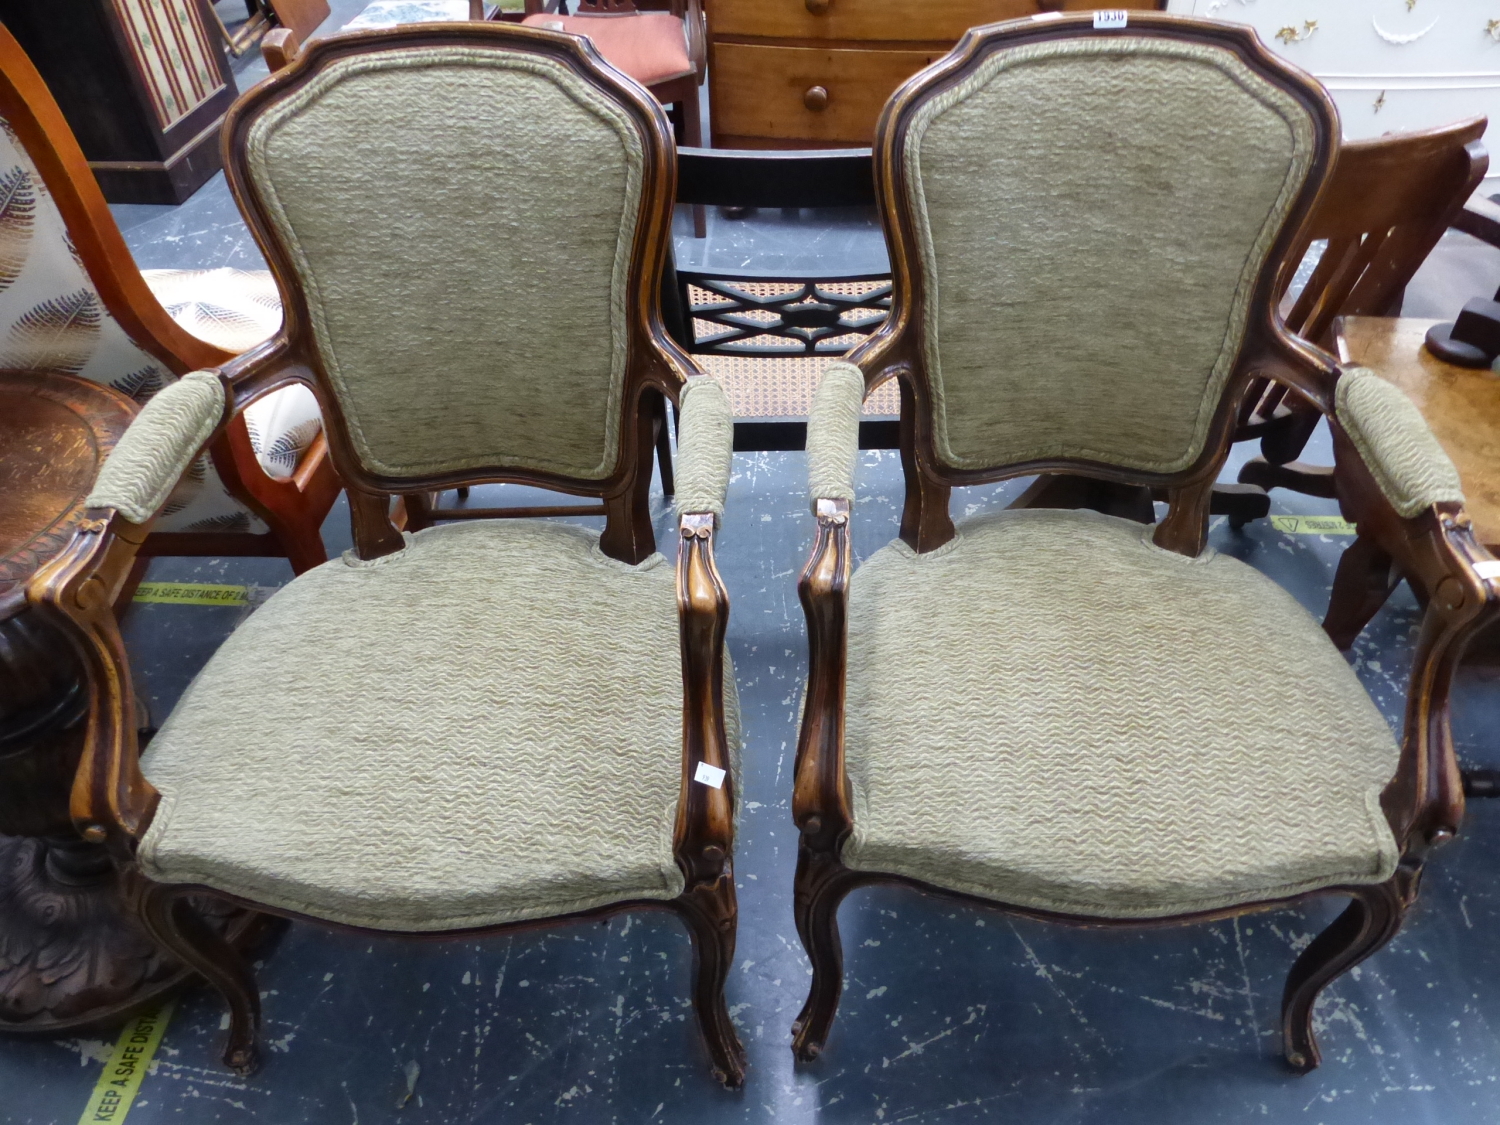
1365,577
711,912
692,135
664,454
1371,919
1298,476
820,886
1286,442
1242,503
169,917
133,582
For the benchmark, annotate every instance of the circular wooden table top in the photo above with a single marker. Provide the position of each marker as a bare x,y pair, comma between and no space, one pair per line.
55,432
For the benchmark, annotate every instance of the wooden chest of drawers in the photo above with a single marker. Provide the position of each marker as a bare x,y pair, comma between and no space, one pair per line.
816,73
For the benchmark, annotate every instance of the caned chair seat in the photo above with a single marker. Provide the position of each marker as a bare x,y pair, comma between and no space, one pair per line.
484,727
1051,711
651,47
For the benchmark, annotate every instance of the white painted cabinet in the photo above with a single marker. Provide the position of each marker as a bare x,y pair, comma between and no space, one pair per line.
1391,65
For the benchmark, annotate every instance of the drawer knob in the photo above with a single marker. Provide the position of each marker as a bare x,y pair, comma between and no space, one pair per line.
818,7
816,99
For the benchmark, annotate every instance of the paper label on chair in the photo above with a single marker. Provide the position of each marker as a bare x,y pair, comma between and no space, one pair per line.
712,776
1488,569
1111,17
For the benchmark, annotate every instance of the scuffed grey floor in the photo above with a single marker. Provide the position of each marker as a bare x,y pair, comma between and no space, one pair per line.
951,1013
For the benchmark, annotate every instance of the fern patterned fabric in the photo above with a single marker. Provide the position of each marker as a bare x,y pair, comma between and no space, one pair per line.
162,439
705,447
833,433
465,271
1050,711
52,319
484,727
236,310
1092,216
1395,443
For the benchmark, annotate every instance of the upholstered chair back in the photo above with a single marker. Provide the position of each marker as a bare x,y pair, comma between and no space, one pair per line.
461,222
1091,216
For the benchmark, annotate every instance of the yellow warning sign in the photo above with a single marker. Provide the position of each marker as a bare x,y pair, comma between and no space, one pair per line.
126,1068
191,593
1312,525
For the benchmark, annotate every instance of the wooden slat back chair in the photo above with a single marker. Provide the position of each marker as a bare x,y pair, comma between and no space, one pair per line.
1063,712
72,299
481,724
1387,203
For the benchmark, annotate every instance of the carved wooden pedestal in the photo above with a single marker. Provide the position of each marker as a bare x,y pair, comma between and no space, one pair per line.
70,957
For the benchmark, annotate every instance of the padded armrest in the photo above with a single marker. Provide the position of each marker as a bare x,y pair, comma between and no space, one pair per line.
705,447
164,437
833,434
1395,443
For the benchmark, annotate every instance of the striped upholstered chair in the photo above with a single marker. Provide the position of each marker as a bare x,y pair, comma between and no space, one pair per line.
490,722
72,300
1063,713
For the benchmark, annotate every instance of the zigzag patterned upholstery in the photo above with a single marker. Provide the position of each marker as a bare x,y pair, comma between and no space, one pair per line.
1052,711
1006,173
52,319
496,712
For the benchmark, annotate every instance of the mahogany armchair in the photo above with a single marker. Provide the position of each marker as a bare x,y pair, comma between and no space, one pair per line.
72,299
484,724
1062,713
1387,203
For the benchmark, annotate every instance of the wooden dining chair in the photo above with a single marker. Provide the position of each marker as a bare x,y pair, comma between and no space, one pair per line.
1386,205
72,300
1061,713
481,725
665,51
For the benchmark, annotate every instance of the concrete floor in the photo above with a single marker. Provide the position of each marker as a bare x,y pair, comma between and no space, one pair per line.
951,1013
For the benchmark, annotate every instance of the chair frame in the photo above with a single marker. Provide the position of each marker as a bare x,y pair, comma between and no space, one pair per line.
113,803
293,509
1423,802
1425,177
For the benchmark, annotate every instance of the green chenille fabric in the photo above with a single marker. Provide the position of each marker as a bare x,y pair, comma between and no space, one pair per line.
833,433
461,221
705,447
482,728
1395,443
1092,215
157,448
1052,712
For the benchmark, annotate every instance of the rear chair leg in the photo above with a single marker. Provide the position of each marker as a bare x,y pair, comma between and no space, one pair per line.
170,918
1371,919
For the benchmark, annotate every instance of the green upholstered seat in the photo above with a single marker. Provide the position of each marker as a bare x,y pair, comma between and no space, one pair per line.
481,728
1053,712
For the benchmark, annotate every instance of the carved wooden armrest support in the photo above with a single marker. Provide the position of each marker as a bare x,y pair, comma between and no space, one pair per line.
1434,548
267,367
704,832
821,807
112,801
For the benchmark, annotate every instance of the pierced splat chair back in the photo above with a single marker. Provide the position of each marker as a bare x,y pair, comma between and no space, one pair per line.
1389,200
1086,229
469,224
